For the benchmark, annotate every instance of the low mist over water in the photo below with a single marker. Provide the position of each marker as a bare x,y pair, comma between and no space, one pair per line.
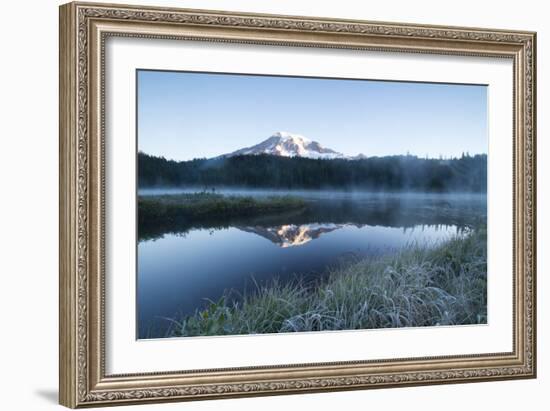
323,194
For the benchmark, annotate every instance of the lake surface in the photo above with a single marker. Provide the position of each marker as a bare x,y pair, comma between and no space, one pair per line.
181,268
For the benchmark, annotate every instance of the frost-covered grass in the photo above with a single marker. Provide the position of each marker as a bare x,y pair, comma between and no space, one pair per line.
416,286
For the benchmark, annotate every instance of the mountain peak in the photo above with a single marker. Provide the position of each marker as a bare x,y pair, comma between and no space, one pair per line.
286,136
285,144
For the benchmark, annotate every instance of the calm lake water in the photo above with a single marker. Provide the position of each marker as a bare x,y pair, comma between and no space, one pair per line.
180,268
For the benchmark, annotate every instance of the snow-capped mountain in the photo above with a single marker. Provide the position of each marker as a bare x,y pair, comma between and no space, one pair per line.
287,144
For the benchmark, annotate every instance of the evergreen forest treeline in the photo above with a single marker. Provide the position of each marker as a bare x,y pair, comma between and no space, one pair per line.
391,173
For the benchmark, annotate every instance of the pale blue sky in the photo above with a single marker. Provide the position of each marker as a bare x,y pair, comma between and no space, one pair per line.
185,115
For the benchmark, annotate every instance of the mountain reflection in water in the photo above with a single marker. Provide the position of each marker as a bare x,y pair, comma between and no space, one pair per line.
292,235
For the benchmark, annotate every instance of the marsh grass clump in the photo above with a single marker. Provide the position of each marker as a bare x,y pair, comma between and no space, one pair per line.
205,205
419,285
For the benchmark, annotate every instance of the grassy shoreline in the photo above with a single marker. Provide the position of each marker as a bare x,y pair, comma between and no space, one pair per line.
416,286
202,206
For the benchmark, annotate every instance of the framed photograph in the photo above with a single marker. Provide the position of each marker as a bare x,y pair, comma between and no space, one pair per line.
260,204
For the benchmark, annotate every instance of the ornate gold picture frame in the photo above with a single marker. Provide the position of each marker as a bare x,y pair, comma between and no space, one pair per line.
84,30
